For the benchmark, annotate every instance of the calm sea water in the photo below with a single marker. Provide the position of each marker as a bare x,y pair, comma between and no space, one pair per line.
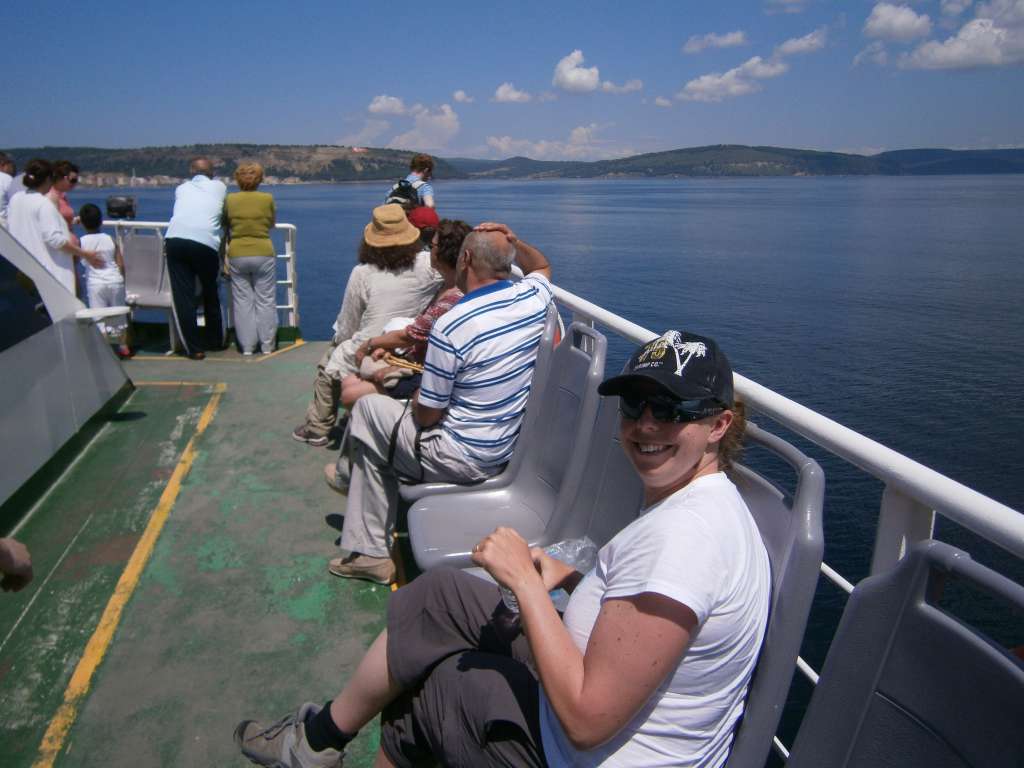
889,304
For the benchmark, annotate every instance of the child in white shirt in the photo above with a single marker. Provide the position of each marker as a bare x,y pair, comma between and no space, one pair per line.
105,284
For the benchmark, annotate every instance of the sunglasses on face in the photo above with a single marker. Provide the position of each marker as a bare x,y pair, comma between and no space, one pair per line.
667,409
72,179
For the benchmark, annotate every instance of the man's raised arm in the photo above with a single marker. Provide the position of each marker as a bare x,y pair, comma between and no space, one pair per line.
529,258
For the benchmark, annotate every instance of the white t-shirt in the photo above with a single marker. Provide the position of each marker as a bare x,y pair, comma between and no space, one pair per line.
36,223
5,185
700,547
103,244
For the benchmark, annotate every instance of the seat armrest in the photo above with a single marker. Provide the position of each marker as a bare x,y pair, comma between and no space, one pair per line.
94,314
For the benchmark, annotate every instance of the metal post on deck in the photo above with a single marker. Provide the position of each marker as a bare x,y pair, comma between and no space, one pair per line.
902,521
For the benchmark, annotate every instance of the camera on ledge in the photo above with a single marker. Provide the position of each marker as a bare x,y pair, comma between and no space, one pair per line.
120,207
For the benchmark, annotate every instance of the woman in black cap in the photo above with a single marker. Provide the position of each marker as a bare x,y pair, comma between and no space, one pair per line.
649,666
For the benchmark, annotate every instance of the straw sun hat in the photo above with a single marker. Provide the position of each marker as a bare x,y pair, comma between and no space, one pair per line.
390,227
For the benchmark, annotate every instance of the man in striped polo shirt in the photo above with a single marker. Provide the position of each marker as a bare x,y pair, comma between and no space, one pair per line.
462,425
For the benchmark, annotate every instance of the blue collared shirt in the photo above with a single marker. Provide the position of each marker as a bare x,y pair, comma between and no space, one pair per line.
198,211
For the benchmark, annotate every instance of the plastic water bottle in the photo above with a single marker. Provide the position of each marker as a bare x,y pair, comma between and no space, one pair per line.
581,554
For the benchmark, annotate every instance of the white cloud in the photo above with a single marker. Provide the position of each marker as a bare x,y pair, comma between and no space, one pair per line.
786,6
979,43
628,87
954,7
875,53
812,41
661,101
545,96
739,81
371,130
431,129
462,97
507,92
387,105
898,23
571,76
698,43
1006,13
582,144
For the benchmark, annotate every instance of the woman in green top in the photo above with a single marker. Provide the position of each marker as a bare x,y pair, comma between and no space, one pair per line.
252,261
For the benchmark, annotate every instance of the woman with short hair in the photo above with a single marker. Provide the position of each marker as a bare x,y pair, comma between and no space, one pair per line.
34,220
651,662
252,261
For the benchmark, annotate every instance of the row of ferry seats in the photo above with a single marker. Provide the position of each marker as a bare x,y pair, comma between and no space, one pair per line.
907,683
600,493
546,466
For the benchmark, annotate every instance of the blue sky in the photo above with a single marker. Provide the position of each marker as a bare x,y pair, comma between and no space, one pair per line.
548,80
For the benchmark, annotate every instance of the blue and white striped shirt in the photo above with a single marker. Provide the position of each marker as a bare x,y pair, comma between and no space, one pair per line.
479,365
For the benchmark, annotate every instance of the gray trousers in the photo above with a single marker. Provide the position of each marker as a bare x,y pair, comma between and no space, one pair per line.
373,485
470,694
254,301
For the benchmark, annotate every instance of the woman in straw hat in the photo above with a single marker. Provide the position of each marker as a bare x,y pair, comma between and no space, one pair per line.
393,279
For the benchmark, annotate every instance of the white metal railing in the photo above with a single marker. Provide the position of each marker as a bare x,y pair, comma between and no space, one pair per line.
289,283
913,493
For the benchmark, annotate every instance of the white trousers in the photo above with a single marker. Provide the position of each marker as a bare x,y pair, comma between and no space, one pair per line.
109,295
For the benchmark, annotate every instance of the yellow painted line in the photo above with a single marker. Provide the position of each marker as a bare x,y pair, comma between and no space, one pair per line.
81,679
214,384
294,345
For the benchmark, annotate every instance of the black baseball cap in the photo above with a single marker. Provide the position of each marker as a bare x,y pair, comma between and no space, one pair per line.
688,366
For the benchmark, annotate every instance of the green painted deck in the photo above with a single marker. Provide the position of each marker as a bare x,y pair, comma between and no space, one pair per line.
233,616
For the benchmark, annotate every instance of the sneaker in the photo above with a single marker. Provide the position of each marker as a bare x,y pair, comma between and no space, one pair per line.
380,570
247,353
304,434
283,744
336,483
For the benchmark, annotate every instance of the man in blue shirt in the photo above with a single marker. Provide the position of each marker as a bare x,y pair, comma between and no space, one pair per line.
193,243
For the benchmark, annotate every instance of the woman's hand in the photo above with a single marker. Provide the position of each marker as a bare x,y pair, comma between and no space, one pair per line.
362,351
93,257
379,377
555,573
378,354
506,556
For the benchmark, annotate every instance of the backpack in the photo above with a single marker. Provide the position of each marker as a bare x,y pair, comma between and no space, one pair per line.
405,193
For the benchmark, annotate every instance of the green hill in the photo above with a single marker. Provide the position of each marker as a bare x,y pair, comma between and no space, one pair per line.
331,163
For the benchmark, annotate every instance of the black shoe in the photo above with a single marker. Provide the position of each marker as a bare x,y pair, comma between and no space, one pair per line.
197,356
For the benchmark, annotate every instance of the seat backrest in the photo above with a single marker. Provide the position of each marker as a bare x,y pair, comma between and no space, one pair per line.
145,270
791,530
906,683
608,494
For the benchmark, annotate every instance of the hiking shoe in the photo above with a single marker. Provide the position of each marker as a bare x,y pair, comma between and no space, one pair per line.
283,744
379,570
304,434
335,482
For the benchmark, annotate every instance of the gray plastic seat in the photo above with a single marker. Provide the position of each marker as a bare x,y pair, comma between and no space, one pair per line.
146,282
443,527
906,683
527,433
792,534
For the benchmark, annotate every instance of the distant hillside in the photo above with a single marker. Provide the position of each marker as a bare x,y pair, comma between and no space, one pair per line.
304,162
329,163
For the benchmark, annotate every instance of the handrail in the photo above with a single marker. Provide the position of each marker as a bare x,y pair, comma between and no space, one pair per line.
988,518
290,282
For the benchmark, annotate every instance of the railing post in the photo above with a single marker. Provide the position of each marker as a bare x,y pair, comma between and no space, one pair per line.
902,521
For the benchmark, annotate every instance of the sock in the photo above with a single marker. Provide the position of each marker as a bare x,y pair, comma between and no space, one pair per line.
322,733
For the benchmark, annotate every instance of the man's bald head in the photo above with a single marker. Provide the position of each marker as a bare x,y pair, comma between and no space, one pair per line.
492,254
201,166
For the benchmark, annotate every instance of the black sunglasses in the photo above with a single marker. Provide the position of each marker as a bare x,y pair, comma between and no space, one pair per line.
667,409
72,180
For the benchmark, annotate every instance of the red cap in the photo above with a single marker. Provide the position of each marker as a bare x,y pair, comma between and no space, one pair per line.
423,216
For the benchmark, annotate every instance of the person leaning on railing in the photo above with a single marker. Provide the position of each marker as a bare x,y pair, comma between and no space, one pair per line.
252,261
650,664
